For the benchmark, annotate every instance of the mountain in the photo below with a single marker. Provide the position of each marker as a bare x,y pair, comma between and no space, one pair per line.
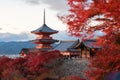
9,42
7,48
24,36
14,47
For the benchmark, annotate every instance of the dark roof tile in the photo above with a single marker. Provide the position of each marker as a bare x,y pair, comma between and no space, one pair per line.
44,29
65,45
91,44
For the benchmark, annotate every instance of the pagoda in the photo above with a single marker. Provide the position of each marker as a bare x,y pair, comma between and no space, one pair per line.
44,39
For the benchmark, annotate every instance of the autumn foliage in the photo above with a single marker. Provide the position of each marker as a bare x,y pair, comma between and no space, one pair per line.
106,60
37,66
71,77
84,12
31,67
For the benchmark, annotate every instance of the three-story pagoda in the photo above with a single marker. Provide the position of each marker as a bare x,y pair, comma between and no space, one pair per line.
44,39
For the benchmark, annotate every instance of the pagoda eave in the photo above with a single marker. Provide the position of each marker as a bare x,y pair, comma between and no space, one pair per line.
38,33
45,41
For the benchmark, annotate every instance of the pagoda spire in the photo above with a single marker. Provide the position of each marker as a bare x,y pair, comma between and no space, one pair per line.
44,17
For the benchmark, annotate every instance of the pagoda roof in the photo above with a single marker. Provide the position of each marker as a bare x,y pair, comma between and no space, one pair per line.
45,41
44,29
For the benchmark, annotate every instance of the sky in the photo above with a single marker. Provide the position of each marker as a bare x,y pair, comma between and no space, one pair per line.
19,17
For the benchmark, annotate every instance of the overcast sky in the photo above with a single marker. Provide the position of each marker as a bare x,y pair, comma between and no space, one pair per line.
18,16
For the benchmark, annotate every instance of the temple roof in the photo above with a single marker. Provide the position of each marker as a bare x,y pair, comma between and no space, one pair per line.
66,45
34,50
44,29
91,44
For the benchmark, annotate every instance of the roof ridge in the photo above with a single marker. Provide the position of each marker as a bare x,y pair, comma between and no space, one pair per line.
68,40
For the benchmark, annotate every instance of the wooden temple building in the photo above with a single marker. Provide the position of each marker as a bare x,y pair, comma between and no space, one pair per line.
89,47
68,49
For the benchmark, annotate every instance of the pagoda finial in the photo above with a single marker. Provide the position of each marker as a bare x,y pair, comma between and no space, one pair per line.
44,16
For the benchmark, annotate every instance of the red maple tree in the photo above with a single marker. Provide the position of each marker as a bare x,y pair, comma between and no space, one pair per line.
83,12
32,67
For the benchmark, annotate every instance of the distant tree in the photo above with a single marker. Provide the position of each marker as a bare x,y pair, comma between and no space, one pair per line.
81,13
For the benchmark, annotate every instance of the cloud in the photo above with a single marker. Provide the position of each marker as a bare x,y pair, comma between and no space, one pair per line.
57,5
34,2
98,33
6,37
63,35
